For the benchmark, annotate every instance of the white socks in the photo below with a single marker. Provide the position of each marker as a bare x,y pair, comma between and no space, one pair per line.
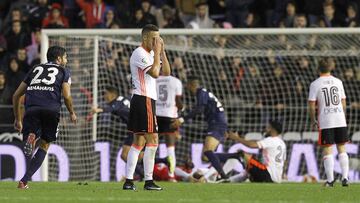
171,154
149,160
132,160
329,167
344,164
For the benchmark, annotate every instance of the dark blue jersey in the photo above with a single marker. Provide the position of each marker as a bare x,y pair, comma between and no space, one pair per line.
207,103
119,107
44,83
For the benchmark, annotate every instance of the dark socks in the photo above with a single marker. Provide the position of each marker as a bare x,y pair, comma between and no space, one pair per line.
223,157
35,164
215,162
160,160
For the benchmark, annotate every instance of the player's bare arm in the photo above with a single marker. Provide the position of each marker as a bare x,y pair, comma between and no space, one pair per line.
68,101
237,138
154,71
312,113
20,91
166,71
343,102
178,102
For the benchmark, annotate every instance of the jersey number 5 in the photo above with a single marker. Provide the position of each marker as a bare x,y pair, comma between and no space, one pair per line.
52,72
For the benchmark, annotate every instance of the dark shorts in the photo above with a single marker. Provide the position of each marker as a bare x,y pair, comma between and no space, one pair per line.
142,118
257,171
217,131
129,139
333,136
42,122
164,124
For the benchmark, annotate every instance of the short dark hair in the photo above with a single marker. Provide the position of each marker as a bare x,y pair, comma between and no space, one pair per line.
112,90
276,125
54,52
2,73
149,28
324,66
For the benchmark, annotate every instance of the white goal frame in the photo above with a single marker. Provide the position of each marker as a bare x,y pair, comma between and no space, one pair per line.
95,33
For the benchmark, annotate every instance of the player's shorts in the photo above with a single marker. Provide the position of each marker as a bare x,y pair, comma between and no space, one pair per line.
217,131
331,136
42,122
164,124
258,171
142,118
129,139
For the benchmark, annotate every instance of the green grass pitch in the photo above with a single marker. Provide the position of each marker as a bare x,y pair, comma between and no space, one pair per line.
64,192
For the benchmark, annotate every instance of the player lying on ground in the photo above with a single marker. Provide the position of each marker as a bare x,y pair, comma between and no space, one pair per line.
211,107
327,92
145,68
273,154
42,86
169,102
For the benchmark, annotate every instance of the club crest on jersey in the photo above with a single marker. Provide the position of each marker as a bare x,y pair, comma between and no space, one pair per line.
143,60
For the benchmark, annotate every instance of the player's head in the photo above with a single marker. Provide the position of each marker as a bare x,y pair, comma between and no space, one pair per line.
148,34
324,66
110,94
274,128
193,83
57,54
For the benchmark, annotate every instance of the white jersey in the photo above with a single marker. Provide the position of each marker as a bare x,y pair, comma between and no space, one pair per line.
274,155
328,91
168,87
142,83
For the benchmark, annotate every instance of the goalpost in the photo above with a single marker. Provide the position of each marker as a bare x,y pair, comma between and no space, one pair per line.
258,74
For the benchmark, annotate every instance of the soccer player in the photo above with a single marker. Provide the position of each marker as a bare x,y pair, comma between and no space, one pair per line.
169,90
145,68
214,114
42,87
327,92
273,154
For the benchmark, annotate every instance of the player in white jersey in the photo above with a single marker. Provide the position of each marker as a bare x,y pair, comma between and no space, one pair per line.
273,154
327,92
169,90
145,68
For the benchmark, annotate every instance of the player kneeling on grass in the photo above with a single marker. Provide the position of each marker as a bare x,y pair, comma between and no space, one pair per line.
42,87
214,114
273,155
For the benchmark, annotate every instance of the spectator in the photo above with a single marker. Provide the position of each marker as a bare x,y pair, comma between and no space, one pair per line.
217,10
329,16
21,57
14,74
110,19
33,50
171,18
351,86
55,18
352,18
15,15
17,38
94,12
290,14
148,17
300,21
138,19
38,13
5,92
236,11
250,21
124,11
3,48
202,19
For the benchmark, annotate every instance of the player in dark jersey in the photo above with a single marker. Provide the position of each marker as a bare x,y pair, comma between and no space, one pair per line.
43,86
119,106
213,111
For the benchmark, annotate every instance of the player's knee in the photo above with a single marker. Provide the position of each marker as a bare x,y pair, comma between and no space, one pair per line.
327,150
44,145
341,148
152,138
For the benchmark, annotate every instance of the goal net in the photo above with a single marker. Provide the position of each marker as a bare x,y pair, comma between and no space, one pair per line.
257,74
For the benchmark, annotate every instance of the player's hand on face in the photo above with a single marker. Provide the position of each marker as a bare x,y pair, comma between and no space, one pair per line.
157,45
18,126
73,118
162,45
